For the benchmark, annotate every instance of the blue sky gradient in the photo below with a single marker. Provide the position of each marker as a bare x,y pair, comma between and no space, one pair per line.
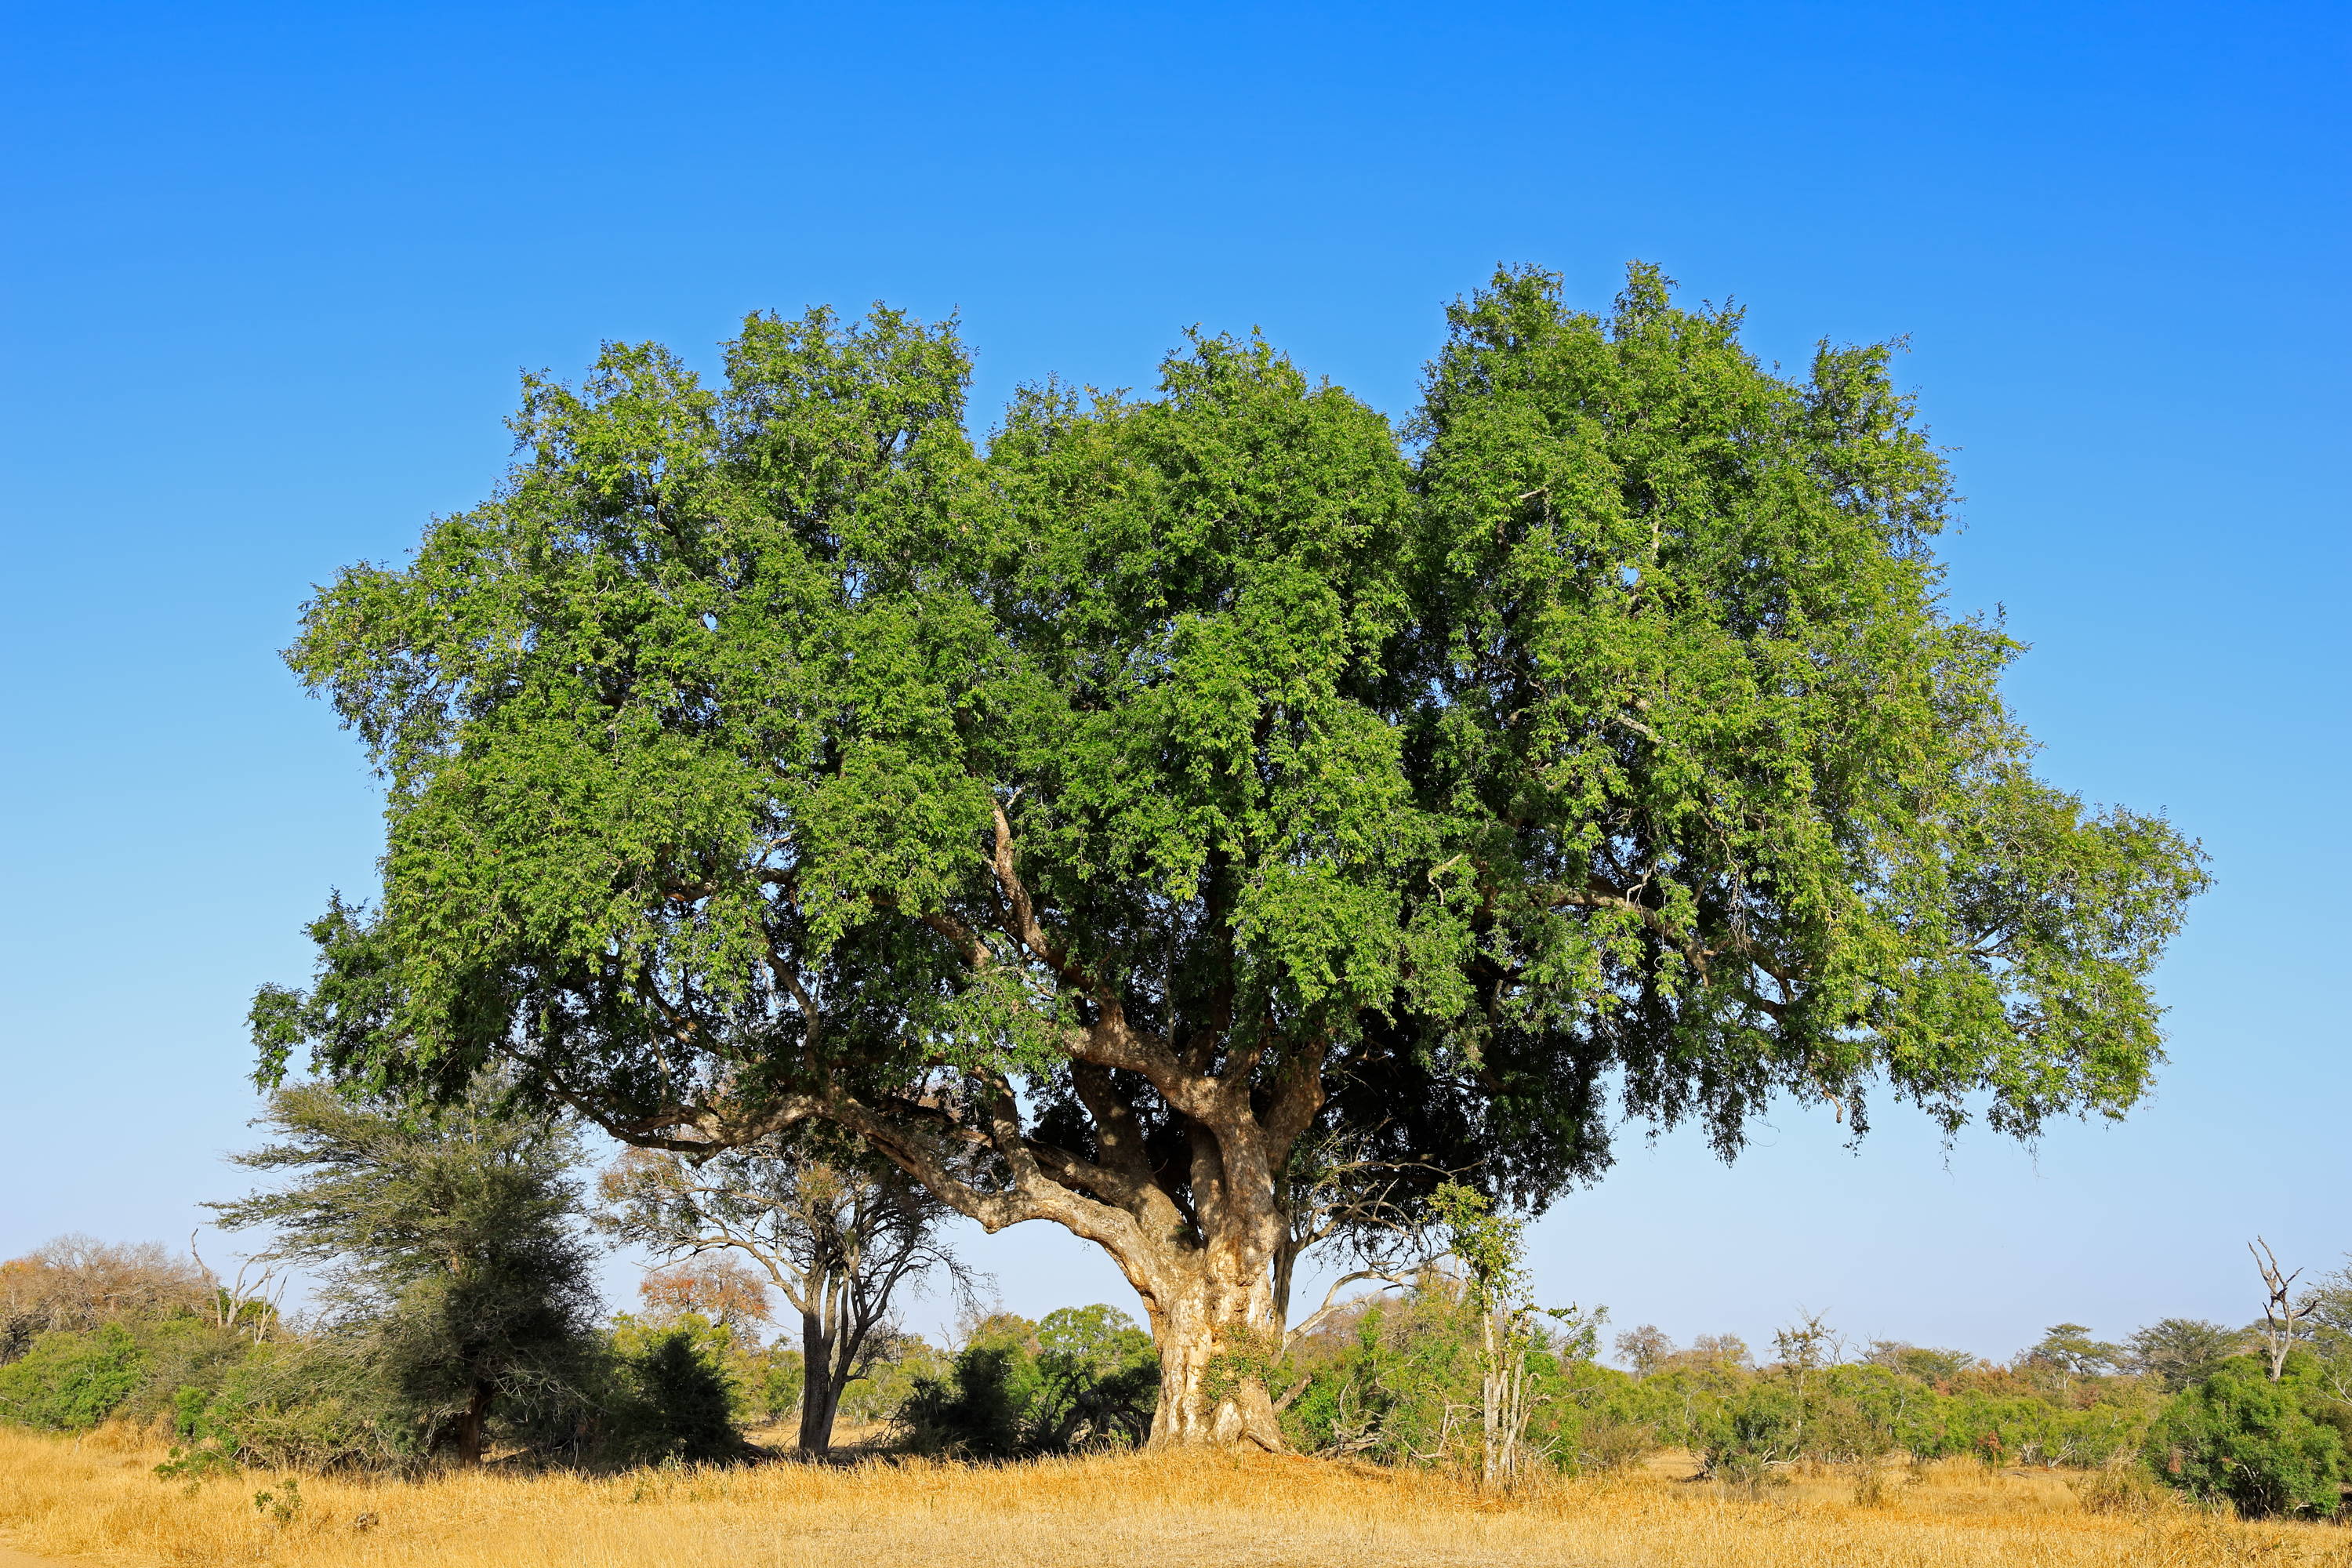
271,270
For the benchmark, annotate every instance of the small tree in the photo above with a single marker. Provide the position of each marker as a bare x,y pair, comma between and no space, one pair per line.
1492,1252
2066,1352
838,1234
2177,1352
1717,1351
448,1239
1645,1349
720,1289
1926,1363
2329,1320
684,1411
2070,1348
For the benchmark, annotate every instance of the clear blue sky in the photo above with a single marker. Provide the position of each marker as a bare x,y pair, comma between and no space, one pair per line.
270,272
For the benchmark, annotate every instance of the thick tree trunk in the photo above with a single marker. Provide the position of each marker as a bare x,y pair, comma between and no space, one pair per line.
1217,1339
820,1389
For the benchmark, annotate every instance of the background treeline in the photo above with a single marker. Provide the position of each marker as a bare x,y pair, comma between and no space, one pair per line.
453,1321
92,1332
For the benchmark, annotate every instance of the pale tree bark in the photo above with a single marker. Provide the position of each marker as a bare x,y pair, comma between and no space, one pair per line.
2281,1311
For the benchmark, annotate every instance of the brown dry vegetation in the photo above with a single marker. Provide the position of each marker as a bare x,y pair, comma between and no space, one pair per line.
97,1500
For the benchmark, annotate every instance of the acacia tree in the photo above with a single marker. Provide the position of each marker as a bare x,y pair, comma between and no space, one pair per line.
447,1238
1086,820
837,1236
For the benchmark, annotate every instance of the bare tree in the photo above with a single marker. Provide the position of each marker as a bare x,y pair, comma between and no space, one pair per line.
1645,1349
249,1303
76,1282
2281,1311
837,1236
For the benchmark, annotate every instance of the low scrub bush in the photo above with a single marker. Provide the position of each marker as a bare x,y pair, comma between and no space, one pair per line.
317,1404
2124,1489
1399,1381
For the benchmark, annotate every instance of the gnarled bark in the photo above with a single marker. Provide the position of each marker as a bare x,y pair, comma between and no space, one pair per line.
1197,1234
1214,1338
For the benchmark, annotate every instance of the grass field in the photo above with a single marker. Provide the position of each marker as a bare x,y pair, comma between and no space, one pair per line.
96,1500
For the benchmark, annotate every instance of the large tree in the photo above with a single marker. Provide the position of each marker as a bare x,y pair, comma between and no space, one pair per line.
1086,820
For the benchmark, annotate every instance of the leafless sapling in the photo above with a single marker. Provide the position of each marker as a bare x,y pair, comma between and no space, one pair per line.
2281,1311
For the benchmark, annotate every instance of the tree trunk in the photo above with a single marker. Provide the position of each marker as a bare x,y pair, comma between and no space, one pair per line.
820,1389
470,1425
1217,1341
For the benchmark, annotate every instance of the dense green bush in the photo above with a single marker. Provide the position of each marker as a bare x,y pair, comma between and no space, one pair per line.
339,1398
760,1383
2266,1447
675,1402
1099,1379
1083,1377
1399,1381
305,1403
70,1380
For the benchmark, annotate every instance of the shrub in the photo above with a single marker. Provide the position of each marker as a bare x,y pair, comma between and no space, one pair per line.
732,1353
312,1404
976,1411
683,1407
1099,1381
1086,1377
2239,1438
1400,1381
71,1380
75,1283
1750,1436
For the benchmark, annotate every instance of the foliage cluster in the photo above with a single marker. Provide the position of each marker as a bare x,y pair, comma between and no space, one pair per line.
1081,1378
455,1315
322,1397
2266,1447
1400,1381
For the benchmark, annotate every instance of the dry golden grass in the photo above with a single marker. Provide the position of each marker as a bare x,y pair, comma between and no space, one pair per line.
96,1500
